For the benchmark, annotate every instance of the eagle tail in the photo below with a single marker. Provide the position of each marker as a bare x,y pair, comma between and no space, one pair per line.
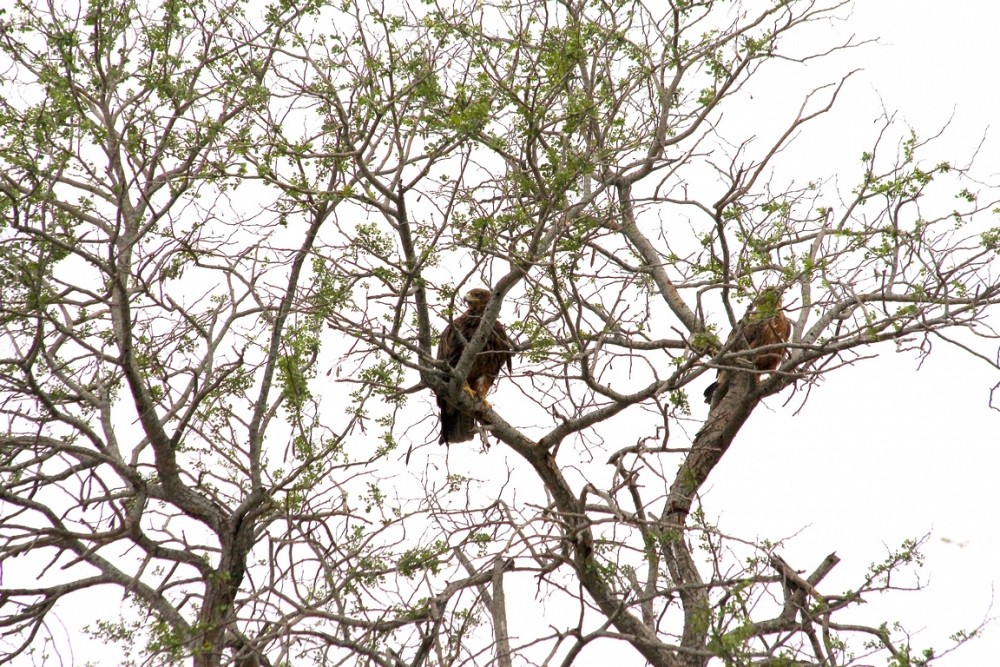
456,426
710,391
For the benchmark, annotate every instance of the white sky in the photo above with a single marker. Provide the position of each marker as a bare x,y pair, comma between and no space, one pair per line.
883,452
889,449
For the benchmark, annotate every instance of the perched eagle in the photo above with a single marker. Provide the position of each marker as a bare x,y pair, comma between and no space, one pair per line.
764,324
456,425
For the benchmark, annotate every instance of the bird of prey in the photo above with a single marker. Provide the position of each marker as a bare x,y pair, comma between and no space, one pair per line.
457,425
763,325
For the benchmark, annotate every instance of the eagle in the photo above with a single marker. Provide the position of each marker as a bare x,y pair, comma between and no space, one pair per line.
456,425
763,325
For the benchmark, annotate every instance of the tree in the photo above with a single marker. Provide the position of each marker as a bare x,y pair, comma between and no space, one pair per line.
232,234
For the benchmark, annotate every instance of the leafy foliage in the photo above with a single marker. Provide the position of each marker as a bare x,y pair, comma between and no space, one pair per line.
231,233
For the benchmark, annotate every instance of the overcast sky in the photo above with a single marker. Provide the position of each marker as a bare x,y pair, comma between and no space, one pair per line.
905,452
890,449
883,451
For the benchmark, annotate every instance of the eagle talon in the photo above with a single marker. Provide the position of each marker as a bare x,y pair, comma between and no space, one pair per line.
474,395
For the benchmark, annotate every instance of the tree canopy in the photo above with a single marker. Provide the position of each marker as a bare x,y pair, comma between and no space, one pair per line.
233,232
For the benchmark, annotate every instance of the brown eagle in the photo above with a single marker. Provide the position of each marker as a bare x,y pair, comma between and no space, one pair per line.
456,425
764,324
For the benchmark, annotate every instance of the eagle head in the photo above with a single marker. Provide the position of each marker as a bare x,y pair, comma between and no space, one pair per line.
478,298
